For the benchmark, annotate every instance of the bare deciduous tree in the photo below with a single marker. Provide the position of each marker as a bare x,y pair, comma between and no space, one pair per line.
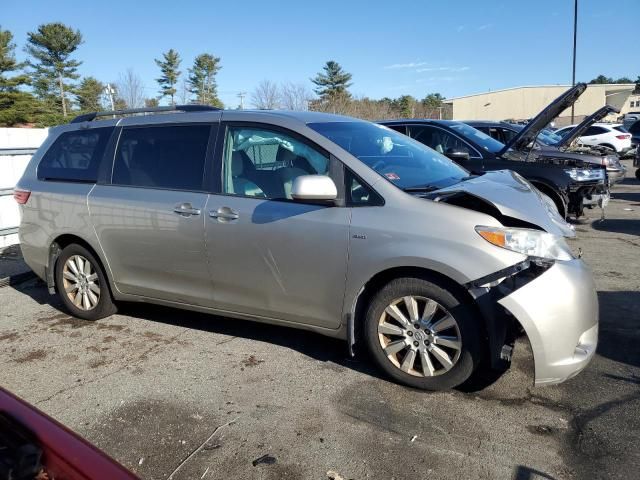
131,89
386,108
266,96
295,96
184,95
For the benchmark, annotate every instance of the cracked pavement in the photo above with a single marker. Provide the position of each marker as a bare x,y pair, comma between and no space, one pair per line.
182,395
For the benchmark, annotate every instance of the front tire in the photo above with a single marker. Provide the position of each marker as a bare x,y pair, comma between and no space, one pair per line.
82,285
422,335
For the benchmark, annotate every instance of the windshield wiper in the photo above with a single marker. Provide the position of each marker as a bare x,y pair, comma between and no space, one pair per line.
422,188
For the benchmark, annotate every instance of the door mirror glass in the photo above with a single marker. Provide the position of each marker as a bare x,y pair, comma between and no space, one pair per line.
457,154
314,187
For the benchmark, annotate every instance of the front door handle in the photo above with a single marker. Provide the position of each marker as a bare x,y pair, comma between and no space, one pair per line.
186,210
224,214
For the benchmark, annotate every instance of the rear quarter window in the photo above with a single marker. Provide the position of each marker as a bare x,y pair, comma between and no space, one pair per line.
166,157
75,156
593,130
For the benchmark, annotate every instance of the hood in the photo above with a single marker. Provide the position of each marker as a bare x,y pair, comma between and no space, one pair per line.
513,197
555,108
586,123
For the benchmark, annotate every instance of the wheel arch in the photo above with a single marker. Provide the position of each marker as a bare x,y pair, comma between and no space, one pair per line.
608,145
553,194
58,244
382,278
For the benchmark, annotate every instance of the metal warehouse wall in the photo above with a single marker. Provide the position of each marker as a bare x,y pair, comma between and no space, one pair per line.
526,102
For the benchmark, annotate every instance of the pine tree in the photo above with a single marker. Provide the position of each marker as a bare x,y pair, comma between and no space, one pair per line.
202,79
333,83
16,106
52,46
433,100
170,74
89,94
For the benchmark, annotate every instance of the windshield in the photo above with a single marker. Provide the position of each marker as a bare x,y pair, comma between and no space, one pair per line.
481,139
401,160
548,137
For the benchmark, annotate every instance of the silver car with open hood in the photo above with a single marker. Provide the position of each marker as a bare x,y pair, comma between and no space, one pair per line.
313,221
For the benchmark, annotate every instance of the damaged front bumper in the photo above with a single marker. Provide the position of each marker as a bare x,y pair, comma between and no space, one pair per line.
556,305
587,194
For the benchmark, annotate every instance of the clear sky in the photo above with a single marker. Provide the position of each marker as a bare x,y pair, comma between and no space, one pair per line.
391,47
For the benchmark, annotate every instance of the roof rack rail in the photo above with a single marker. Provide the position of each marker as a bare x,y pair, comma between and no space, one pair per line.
88,117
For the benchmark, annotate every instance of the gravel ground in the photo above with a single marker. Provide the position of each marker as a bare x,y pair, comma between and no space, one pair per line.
171,392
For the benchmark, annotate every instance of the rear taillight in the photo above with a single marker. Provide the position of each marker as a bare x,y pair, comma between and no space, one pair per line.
623,137
21,196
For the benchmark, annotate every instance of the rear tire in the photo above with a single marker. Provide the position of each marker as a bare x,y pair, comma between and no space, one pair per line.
638,173
82,284
422,335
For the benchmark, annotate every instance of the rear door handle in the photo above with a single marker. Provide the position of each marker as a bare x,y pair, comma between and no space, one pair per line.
186,210
224,214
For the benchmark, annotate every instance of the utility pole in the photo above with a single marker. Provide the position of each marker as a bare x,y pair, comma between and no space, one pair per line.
109,91
575,35
242,95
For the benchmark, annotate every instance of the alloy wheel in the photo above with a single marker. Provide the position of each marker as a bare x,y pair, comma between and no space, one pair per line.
419,336
80,282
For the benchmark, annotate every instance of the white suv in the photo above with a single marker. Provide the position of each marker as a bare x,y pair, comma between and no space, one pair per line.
612,135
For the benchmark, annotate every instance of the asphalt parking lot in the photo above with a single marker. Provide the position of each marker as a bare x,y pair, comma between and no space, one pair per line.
174,394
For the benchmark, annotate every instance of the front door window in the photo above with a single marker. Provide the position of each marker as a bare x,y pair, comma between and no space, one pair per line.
264,163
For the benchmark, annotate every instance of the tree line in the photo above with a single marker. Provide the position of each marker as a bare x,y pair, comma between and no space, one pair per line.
600,79
46,89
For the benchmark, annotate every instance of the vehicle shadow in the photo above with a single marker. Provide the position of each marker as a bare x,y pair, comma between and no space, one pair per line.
313,345
629,181
619,333
521,472
619,330
625,226
626,196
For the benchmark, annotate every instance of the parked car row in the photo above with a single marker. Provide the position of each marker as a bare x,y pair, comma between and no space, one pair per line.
572,181
548,144
325,223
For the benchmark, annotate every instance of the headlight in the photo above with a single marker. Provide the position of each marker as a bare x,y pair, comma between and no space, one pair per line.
533,243
586,174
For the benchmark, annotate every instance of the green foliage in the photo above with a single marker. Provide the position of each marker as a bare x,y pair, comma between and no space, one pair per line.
601,79
16,107
89,94
333,83
151,102
405,104
51,47
9,64
168,79
202,79
433,100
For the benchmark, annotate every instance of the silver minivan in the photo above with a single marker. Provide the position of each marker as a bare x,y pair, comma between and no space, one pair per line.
316,221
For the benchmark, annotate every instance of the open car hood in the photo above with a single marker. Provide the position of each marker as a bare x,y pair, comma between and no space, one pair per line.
555,108
513,196
586,123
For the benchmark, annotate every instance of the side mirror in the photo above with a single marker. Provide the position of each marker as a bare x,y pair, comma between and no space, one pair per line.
457,154
313,187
